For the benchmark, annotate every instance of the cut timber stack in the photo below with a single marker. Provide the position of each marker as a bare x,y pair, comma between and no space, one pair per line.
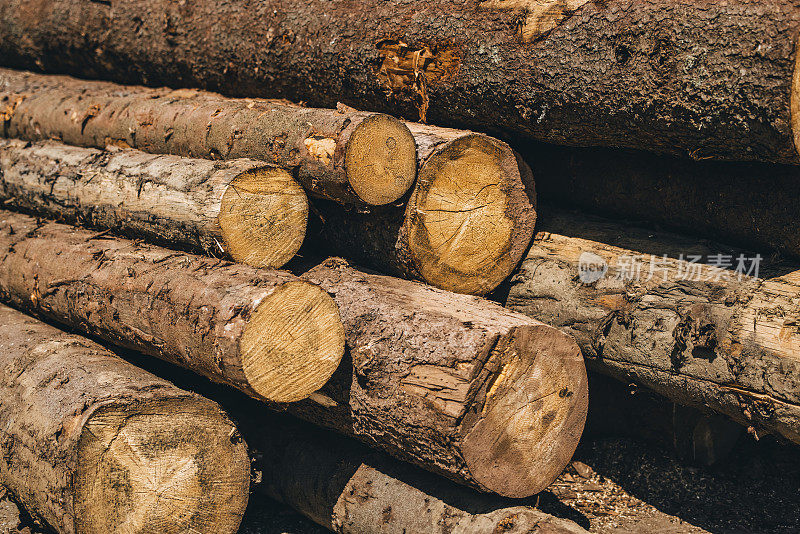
93,445
711,339
703,79
266,332
345,155
464,228
252,212
455,384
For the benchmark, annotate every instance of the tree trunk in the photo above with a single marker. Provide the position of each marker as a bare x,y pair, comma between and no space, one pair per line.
350,490
700,79
455,384
265,332
745,204
344,155
92,444
252,212
643,308
466,226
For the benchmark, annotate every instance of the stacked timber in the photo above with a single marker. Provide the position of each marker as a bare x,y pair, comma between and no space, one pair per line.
699,79
92,444
265,332
453,383
644,308
252,212
344,155
464,226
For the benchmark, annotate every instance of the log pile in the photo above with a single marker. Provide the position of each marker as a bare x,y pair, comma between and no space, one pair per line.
451,325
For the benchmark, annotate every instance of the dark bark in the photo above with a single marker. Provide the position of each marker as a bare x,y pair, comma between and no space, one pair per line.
265,332
342,154
455,384
751,205
91,444
700,79
708,338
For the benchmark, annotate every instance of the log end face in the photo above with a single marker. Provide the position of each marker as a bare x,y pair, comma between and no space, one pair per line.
381,160
168,466
533,416
292,343
471,217
263,217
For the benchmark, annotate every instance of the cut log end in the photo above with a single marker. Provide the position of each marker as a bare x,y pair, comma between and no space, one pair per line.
263,217
381,160
470,219
533,415
292,343
160,466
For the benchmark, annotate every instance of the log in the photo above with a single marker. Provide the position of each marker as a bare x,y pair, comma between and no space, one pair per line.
465,228
701,334
452,383
344,155
751,205
246,210
92,444
265,332
351,490
699,79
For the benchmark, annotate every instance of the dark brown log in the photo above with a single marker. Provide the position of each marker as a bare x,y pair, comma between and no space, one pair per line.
92,444
344,155
466,226
249,211
701,335
750,205
699,79
351,490
455,384
265,332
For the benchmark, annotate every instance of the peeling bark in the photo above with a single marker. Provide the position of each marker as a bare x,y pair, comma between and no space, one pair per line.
249,211
698,79
265,332
700,335
348,156
452,383
91,444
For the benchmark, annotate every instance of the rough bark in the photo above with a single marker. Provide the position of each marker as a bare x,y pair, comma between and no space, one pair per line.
265,332
350,490
746,204
465,227
344,155
701,335
701,79
246,210
92,444
455,384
